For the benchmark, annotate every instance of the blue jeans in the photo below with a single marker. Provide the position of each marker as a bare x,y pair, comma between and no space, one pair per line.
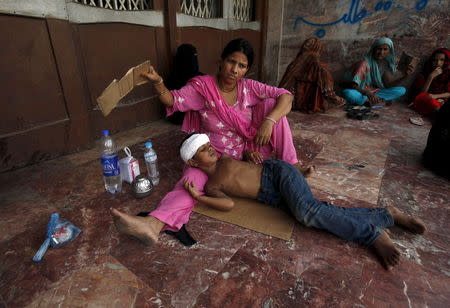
283,186
355,97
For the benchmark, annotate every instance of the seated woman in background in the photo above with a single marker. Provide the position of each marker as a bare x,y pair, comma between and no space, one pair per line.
371,80
432,87
185,66
310,81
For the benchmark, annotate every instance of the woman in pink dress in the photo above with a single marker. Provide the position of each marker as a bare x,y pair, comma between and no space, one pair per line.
243,118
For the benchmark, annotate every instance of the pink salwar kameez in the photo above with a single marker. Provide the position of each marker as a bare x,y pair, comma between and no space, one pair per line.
231,130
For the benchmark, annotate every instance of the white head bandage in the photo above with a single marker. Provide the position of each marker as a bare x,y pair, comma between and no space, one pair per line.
191,145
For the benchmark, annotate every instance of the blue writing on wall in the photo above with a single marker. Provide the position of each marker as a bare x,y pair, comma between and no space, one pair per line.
355,14
421,4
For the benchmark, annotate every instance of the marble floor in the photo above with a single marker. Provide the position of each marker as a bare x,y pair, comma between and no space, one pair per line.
368,163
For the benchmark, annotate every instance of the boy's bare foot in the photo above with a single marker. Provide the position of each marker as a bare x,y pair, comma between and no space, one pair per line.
146,229
306,171
386,250
412,224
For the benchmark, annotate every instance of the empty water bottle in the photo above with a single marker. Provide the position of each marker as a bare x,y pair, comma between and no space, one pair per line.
110,164
151,162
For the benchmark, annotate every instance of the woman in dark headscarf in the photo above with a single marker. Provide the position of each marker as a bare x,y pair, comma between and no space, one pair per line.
309,80
185,67
432,85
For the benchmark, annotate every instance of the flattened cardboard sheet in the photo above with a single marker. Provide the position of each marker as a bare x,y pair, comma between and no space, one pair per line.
406,60
255,216
117,89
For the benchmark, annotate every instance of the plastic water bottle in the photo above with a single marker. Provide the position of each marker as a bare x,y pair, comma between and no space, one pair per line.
151,162
110,164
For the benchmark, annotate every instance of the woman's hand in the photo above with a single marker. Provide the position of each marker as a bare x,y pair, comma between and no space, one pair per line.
151,75
436,72
264,133
409,70
375,100
192,190
253,156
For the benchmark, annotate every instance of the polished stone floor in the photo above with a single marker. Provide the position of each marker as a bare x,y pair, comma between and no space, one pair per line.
359,163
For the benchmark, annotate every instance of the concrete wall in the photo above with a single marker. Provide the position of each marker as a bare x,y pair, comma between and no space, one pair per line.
58,56
348,28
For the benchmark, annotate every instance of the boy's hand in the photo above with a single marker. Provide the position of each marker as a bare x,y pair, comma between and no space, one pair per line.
151,75
190,187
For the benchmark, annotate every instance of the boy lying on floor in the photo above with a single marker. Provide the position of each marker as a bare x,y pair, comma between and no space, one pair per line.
280,184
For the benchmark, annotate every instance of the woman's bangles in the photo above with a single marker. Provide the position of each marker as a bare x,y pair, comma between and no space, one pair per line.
159,82
270,119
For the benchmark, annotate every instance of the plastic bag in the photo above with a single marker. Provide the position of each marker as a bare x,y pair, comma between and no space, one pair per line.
64,233
60,232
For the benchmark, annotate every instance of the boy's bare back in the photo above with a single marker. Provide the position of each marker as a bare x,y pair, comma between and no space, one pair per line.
235,178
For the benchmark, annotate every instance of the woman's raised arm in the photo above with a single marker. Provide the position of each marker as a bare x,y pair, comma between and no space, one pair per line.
158,82
389,81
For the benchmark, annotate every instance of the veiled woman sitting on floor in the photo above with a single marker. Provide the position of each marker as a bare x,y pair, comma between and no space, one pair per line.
310,81
185,67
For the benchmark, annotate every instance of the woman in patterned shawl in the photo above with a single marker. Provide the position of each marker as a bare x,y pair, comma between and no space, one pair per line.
310,81
371,80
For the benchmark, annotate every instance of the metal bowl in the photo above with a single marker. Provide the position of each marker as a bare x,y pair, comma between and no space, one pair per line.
142,186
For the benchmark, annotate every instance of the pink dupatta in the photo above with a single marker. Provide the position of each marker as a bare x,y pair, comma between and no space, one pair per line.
206,86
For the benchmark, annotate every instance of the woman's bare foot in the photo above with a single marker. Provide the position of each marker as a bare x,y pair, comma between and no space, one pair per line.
336,100
146,229
306,171
412,224
386,250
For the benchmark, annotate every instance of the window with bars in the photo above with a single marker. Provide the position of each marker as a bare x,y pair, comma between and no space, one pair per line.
242,10
202,8
120,5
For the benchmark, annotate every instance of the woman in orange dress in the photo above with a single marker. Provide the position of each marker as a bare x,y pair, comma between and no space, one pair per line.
310,81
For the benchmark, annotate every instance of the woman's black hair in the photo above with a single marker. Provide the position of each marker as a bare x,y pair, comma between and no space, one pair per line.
440,50
240,45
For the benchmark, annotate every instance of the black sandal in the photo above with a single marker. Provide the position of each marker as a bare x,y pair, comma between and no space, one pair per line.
361,113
